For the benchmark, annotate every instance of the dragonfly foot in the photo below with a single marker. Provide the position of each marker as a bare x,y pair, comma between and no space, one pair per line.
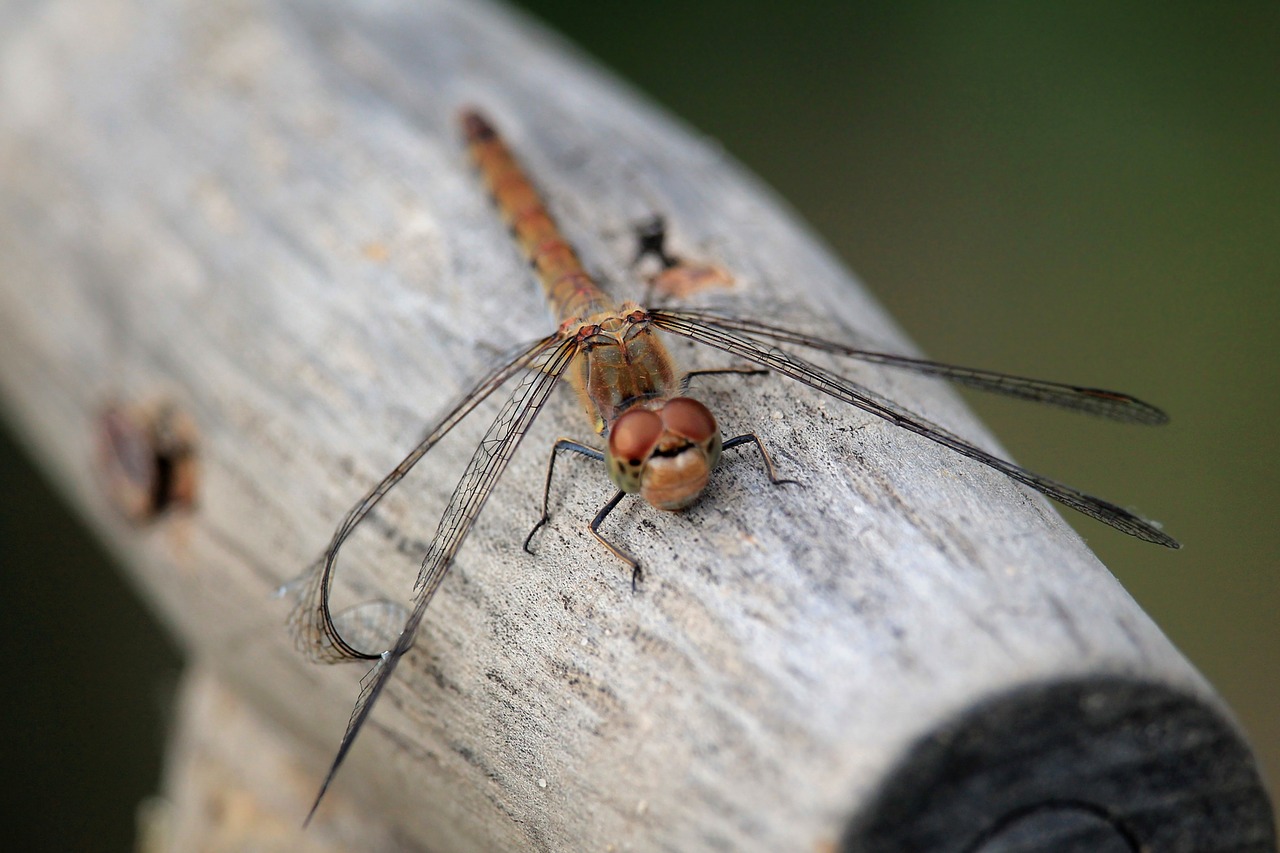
534,532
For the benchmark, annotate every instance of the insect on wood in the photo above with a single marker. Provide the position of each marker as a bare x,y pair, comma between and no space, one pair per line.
659,442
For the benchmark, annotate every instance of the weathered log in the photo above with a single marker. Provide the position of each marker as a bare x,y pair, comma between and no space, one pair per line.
261,214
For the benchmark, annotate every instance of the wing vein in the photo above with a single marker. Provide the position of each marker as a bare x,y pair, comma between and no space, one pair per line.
1115,405
694,327
486,466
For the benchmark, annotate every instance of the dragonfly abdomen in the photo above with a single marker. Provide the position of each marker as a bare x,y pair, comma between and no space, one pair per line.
572,292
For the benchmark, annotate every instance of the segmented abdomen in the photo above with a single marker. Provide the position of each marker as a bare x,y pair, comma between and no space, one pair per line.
570,290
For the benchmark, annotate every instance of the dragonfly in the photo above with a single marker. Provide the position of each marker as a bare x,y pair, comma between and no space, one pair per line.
660,442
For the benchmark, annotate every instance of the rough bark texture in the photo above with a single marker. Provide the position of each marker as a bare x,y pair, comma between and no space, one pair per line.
262,214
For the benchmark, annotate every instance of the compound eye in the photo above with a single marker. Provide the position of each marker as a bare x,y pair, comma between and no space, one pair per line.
634,436
689,419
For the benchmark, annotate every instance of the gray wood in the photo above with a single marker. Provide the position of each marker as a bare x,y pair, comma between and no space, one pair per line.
232,783
262,214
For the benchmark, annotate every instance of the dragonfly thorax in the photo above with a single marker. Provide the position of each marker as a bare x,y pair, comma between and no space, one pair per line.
665,451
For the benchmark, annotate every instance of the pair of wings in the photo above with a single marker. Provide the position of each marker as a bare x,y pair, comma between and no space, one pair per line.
359,632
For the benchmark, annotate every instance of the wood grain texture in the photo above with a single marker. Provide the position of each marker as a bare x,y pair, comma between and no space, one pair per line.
262,213
232,783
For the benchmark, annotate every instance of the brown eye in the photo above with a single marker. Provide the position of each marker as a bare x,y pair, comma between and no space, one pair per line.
634,436
689,419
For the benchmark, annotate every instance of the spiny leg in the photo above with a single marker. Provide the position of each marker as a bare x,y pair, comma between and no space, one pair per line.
710,371
751,437
622,555
636,572
561,444
594,526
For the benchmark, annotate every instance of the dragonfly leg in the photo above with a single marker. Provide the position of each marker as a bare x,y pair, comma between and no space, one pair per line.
561,444
737,371
622,555
752,438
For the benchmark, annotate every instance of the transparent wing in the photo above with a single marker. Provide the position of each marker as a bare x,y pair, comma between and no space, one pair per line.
486,466
714,333
1095,401
355,633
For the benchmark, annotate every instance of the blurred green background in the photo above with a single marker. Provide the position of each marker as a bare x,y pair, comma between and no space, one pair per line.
1085,191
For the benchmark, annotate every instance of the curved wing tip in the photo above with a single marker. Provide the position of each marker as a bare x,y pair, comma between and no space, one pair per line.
1155,415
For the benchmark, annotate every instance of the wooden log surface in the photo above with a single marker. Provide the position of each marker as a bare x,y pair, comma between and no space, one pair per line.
262,215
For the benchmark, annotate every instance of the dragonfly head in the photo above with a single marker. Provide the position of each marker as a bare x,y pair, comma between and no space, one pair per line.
664,453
